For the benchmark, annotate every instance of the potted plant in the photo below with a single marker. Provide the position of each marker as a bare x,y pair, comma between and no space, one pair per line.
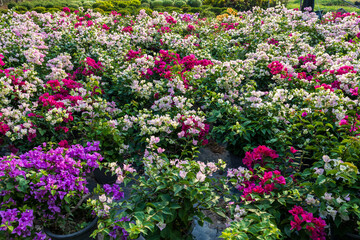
167,197
335,191
47,187
271,199
107,206
79,234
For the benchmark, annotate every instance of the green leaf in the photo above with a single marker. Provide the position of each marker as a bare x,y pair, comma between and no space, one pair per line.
160,188
177,189
287,230
174,206
337,221
319,190
310,126
42,131
321,179
254,230
139,215
282,201
9,185
183,214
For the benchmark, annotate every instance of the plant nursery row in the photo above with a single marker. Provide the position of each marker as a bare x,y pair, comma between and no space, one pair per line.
133,100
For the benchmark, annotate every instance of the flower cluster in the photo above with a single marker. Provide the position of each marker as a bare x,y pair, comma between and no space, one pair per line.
303,220
19,223
43,180
47,106
258,156
260,184
152,89
90,67
192,127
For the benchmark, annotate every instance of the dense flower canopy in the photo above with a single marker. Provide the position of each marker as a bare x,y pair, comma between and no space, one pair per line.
278,87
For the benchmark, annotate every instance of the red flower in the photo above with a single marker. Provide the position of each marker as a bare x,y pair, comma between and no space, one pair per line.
66,9
258,155
313,225
354,91
281,180
307,217
190,28
105,27
1,60
58,128
258,189
267,176
296,224
296,210
31,136
293,150
4,128
70,118
128,29
64,144
269,187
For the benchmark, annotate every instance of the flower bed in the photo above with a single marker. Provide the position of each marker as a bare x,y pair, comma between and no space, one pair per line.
278,87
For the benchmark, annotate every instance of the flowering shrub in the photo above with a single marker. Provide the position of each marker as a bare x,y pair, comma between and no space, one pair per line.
52,110
314,226
173,192
258,155
262,188
277,87
106,207
334,194
19,223
39,186
252,225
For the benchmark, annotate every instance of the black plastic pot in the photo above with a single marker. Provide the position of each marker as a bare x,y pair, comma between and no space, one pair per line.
103,177
319,13
344,234
351,236
83,234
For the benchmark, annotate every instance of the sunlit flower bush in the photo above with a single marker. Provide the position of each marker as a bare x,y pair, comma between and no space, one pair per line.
278,87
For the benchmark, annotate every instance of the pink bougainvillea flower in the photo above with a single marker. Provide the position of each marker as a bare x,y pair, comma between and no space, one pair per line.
277,172
66,9
4,128
190,28
267,176
64,144
1,60
296,224
280,180
293,150
316,226
343,122
105,27
258,155
354,91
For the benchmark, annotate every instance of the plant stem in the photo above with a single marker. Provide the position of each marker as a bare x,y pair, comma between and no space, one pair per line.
79,203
